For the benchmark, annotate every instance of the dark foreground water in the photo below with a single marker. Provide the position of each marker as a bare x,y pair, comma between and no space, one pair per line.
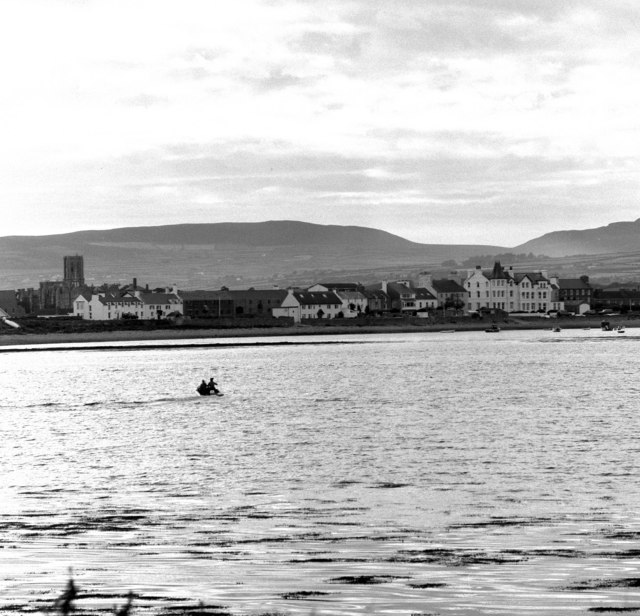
453,474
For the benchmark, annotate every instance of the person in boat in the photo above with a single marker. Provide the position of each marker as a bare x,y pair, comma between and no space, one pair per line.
212,386
203,388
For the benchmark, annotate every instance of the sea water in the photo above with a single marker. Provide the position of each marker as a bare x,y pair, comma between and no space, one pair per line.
455,474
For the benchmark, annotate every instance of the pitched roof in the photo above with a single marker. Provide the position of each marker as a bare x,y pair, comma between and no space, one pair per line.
532,276
159,298
447,286
422,293
498,272
341,286
109,298
308,298
396,289
344,294
573,283
86,294
372,293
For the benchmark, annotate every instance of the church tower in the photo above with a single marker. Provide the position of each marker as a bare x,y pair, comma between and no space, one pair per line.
74,271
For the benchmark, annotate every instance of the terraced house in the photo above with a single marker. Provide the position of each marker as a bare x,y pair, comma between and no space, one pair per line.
131,304
309,305
354,302
507,290
448,293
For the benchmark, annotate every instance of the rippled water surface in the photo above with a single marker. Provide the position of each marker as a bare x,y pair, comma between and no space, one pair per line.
451,474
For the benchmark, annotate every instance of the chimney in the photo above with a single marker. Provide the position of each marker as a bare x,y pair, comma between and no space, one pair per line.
135,284
383,286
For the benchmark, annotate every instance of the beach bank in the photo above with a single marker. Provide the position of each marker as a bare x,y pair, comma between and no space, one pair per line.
13,338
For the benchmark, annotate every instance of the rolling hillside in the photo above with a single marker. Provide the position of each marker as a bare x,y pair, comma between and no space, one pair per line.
211,255
618,237
208,256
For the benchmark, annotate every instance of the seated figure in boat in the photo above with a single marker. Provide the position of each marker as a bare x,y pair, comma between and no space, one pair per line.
212,386
203,388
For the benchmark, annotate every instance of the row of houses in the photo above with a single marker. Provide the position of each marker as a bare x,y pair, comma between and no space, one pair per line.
132,303
470,291
478,290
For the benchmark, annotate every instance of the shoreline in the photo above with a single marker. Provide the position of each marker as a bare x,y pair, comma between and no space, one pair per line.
8,340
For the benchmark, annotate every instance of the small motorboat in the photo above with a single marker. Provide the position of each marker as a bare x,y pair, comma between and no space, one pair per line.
205,389
557,330
620,329
494,329
208,392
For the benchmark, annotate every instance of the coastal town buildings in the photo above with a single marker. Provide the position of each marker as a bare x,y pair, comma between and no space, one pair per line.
301,305
229,304
472,291
448,293
504,289
354,301
623,298
131,304
56,296
378,301
575,293
403,297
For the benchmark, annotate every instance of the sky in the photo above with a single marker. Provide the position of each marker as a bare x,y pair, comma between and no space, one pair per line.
442,121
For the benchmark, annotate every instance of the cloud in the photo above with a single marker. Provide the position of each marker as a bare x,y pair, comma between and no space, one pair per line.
477,108
144,100
276,79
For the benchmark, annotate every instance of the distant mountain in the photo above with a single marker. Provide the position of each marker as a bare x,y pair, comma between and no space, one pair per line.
211,255
618,237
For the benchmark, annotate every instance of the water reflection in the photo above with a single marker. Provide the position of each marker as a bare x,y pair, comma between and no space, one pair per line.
423,474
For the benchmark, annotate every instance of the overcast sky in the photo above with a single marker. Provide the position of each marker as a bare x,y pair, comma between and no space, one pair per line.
444,121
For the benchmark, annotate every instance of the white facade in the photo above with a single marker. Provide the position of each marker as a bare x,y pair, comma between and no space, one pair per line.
425,299
477,286
353,303
508,291
142,305
533,295
309,305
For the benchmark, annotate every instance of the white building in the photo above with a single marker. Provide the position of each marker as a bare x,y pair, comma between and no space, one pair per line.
353,303
309,305
425,300
132,304
508,290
